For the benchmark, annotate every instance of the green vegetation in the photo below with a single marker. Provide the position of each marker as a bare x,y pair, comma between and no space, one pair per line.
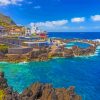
3,48
2,94
6,19
6,22
12,37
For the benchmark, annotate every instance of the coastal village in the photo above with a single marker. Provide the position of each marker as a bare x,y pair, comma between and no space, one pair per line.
49,49
22,44
19,43
25,44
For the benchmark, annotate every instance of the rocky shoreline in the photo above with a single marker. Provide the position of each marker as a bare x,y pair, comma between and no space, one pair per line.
47,53
36,91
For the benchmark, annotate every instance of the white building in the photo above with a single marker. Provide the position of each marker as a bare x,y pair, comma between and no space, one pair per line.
27,31
35,29
2,30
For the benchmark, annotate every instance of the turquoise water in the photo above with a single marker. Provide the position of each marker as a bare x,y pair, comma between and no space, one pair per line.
79,44
82,72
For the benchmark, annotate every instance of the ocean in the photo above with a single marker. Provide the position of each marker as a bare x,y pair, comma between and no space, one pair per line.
81,72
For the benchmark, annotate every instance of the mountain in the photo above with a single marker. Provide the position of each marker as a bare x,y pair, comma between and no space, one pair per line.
6,19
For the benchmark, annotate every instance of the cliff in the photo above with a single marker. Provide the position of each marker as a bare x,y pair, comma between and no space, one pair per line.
37,91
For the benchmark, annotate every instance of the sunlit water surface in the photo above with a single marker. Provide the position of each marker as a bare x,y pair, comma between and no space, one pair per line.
82,72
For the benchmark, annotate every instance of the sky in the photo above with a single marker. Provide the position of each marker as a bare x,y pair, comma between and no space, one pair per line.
55,15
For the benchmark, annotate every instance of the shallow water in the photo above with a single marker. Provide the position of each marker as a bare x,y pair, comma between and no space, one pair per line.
79,44
82,72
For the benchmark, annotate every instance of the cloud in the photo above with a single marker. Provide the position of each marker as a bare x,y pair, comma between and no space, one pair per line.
37,7
78,19
58,25
10,2
95,18
51,23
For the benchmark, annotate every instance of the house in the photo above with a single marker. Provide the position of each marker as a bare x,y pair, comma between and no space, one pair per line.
2,30
36,44
34,29
27,31
43,35
16,30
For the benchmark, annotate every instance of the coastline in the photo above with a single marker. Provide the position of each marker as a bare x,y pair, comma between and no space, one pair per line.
46,54
78,89
37,91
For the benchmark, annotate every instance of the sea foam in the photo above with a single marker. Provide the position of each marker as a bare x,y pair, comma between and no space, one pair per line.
97,40
21,63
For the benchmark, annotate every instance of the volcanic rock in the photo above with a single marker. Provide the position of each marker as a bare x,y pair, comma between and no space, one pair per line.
38,91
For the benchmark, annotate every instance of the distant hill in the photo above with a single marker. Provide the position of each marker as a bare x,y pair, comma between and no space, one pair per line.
6,19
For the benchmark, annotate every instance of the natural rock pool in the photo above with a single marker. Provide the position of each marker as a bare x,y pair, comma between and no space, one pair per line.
79,44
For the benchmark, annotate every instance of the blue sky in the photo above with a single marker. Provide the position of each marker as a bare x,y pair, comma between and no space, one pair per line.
55,15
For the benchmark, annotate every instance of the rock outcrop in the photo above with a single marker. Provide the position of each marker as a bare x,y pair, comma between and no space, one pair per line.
40,91
37,91
3,81
83,52
68,53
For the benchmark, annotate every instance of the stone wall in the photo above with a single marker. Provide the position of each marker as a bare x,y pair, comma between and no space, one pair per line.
19,50
11,41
